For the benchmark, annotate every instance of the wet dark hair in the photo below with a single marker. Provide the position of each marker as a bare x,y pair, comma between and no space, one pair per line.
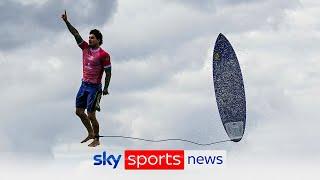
97,34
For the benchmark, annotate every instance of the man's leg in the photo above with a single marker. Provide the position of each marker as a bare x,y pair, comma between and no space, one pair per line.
86,122
95,125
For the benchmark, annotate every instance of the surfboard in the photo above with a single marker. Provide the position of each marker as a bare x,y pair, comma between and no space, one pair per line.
229,88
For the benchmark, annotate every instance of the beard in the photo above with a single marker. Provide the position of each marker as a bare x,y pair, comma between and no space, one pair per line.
93,45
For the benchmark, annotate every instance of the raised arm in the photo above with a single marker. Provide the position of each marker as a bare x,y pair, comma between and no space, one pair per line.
73,30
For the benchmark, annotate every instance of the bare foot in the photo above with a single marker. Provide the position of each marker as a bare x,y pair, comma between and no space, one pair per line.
87,138
94,143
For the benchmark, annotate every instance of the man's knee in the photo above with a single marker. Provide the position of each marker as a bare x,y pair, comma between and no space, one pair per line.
80,112
92,115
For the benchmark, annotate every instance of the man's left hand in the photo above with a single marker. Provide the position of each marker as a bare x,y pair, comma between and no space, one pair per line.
105,92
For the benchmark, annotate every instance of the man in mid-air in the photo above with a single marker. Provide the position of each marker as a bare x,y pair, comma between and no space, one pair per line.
95,61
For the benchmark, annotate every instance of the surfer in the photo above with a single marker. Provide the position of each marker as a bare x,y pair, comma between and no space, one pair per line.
95,61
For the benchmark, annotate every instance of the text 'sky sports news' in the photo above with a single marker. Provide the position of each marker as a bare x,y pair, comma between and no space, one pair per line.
161,159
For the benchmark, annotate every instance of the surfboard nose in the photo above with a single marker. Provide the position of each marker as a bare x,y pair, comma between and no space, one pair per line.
221,36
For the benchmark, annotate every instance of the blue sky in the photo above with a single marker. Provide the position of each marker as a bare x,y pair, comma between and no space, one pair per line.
161,85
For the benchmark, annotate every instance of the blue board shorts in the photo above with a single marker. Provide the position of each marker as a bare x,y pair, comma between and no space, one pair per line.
89,96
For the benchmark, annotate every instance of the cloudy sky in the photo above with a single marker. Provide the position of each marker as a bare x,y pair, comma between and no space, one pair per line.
161,85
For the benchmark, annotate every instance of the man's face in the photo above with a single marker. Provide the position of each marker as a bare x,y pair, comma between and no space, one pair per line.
93,41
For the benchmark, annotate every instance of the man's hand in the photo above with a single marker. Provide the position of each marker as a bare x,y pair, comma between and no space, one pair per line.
105,92
64,16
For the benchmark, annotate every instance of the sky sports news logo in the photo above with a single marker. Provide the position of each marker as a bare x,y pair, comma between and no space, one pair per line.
161,159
